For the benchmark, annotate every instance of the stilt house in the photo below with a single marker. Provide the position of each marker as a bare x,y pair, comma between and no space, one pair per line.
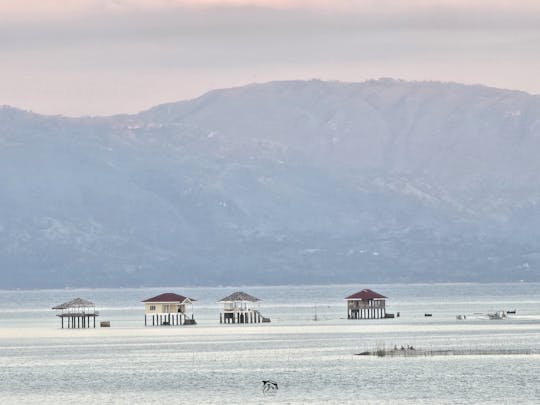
77,313
366,304
169,309
239,308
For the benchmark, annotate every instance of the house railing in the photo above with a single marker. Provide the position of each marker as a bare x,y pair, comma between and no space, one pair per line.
366,305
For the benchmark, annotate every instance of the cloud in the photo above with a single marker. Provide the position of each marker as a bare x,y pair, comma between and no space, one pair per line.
53,50
28,9
409,14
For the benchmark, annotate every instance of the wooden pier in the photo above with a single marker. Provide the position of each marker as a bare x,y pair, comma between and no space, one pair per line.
77,313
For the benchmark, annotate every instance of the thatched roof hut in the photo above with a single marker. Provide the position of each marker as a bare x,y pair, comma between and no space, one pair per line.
238,308
238,297
75,304
78,312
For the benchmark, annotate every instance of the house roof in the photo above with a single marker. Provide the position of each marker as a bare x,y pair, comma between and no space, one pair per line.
168,297
365,294
239,296
75,303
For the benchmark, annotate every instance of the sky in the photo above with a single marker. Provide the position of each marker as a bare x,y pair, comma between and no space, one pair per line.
103,57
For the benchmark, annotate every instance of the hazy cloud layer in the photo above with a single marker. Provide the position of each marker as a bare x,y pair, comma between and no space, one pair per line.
102,57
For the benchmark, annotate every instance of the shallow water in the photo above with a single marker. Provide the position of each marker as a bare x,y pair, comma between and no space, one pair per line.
312,361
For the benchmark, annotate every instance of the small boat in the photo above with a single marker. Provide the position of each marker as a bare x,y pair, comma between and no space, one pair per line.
461,317
363,354
428,314
513,312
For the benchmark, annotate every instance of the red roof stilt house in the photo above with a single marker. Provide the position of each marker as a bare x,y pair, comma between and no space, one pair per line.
169,309
366,304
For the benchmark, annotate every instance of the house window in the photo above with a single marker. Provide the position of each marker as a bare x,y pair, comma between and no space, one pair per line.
166,307
152,307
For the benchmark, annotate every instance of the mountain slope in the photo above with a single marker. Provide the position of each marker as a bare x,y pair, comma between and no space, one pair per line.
284,182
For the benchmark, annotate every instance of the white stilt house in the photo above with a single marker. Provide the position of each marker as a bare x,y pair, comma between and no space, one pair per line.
366,304
239,308
169,309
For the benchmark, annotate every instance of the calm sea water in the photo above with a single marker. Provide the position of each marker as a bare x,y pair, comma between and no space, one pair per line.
312,361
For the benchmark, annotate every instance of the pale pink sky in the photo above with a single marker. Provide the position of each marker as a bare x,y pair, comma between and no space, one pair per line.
115,56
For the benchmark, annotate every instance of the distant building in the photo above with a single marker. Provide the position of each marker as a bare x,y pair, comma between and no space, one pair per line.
239,308
169,309
366,304
77,313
